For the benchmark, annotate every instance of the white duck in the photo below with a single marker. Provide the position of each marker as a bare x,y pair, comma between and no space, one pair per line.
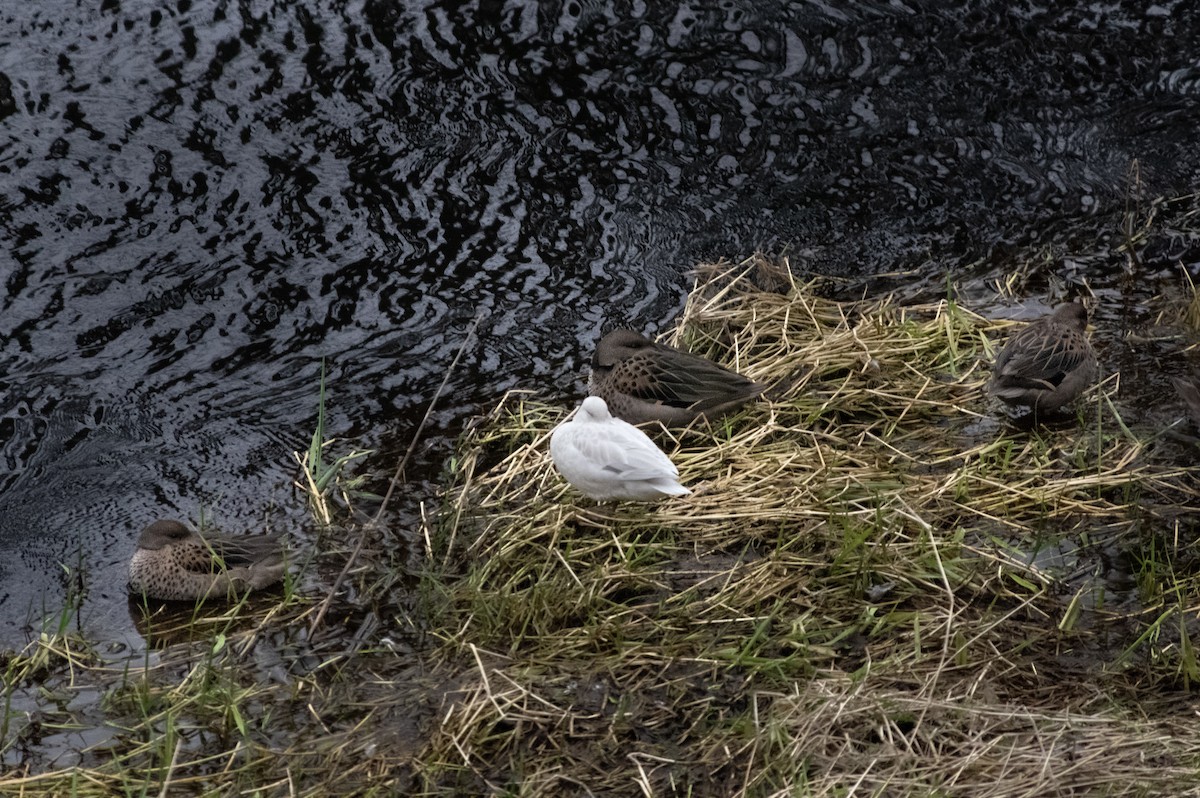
607,458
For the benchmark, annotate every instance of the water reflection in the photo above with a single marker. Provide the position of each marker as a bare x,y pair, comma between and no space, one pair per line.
202,200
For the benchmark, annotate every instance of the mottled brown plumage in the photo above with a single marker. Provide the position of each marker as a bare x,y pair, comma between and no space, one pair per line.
1189,391
173,563
1048,364
643,381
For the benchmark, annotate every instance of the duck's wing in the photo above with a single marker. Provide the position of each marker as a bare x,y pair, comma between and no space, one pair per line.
680,379
1041,356
237,551
614,450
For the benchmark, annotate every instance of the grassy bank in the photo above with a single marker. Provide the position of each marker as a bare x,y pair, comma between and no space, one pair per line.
880,586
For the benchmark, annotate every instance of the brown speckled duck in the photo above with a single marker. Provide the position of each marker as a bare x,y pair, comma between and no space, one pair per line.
643,381
173,563
1048,364
1188,389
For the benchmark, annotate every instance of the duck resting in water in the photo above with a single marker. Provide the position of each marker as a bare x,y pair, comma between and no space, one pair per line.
173,563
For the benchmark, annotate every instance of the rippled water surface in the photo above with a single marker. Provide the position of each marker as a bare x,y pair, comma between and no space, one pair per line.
200,200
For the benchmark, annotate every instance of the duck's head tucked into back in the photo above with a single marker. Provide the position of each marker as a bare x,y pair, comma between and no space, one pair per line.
643,381
173,563
1048,364
607,458
593,409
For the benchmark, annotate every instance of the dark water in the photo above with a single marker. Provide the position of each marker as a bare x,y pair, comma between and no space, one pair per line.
200,200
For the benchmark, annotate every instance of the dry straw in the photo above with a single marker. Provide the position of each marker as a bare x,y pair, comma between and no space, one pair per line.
857,598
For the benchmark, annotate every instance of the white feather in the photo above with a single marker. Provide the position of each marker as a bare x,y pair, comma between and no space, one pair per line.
607,458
